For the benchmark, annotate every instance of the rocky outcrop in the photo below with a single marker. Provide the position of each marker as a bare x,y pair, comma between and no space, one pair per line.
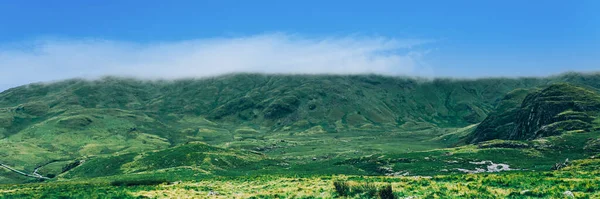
551,111
491,167
593,145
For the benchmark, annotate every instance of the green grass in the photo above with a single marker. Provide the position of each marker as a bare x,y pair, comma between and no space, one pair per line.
583,184
304,128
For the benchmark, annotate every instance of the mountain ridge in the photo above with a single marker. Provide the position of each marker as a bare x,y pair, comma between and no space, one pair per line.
302,119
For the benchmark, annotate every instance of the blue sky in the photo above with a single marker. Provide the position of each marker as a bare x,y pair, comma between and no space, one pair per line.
426,38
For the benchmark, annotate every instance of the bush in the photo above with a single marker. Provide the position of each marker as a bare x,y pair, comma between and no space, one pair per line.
369,190
341,188
386,192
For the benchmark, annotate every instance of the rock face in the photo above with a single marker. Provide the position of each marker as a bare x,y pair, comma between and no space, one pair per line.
593,145
491,167
502,119
550,111
569,194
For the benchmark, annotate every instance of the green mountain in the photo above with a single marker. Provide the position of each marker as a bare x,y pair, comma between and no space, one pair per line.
282,124
526,115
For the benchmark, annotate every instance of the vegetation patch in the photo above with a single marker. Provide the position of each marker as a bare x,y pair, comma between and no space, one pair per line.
593,145
6,121
246,131
34,108
280,136
75,122
138,182
503,144
580,183
232,107
281,107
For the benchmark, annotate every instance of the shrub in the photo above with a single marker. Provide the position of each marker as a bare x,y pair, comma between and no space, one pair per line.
369,190
341,188
386,192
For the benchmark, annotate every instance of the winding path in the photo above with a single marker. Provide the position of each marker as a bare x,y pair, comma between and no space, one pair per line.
34,175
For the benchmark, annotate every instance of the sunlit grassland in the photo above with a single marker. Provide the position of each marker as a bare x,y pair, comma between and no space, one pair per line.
246,136
583,184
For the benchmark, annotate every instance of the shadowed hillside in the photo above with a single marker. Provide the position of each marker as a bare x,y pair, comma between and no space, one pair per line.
278,101
551,111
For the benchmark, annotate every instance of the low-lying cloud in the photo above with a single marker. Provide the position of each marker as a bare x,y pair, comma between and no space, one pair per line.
49,60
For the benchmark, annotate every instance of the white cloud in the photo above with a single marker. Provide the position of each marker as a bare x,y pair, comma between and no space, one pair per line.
48,60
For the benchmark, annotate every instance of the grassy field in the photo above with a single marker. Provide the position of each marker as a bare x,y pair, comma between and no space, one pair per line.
433,174
270,136
583,182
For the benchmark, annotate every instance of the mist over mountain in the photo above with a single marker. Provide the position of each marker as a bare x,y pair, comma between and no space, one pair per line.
307,99
260,124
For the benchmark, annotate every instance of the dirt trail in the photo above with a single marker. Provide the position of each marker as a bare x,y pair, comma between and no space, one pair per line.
34,175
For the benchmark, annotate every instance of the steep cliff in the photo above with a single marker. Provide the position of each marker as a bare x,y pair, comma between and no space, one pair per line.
550,111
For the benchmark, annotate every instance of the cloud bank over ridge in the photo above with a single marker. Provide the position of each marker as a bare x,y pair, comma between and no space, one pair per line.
49,60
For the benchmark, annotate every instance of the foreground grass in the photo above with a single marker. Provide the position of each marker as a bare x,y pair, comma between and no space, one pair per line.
582,183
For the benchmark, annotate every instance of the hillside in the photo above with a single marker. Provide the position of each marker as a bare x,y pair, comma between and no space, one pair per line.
524,115
204,159
302,122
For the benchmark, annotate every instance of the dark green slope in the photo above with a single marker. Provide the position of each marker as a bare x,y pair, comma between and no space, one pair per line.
502,120
197,157
526,115
278,101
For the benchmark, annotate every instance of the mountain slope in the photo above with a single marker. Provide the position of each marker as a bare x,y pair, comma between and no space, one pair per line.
198,157
297,117
280,100
551,111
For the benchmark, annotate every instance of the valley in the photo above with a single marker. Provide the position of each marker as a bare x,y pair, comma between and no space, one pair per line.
282,136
